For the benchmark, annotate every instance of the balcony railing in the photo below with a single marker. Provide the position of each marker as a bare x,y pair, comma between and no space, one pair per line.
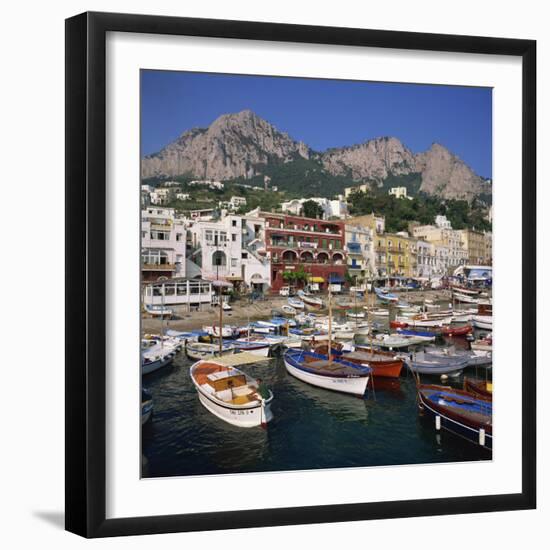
158,267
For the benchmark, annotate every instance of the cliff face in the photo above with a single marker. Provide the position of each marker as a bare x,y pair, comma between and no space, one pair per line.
241,144
230,147
445,175
375,159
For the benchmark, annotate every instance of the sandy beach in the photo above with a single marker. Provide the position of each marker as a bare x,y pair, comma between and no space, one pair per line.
243,311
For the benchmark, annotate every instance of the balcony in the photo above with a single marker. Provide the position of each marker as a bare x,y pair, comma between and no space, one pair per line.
158,267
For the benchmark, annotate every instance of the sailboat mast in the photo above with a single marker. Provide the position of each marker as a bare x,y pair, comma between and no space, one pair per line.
221,317
329,322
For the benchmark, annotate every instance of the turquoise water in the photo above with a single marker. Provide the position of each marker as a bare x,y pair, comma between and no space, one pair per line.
312,428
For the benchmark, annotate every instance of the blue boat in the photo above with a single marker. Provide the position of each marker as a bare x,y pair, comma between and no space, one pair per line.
459,412
386,296
430,334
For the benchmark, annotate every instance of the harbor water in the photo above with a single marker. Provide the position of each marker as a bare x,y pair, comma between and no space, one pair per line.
312,428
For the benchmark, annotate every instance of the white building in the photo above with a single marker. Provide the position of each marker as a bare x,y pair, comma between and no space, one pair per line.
162,244
425,259
232,249
399,193
237,202
183,196
443,234
335,208
211,184
192,294
360,248
162,196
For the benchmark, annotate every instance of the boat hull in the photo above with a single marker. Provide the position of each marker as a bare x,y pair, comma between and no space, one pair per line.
148,368
244,418
484,322
454,423
354,386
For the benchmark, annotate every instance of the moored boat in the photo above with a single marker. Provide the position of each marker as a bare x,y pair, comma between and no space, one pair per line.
331,374
288,309
295,303
311,301
231,395
436,364
158,311
156,357
484,322
200,350
146,406
384,364
482,388
456,331
458,412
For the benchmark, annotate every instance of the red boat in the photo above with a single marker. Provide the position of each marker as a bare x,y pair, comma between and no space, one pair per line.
480,388
384,364
398,324
456,331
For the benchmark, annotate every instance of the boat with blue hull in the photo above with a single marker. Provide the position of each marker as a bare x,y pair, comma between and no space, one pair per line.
459,412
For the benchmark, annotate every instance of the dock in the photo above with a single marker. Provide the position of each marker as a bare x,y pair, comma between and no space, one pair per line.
238,359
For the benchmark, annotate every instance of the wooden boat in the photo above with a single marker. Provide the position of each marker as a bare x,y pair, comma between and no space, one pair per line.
288,309
456,331
199,350
386,297
482,345
383,363
295,303
436,364
484,322
259,347
227,331
481,388
158,311
355,314
155,358
311,301
397,341
425,334
458,412
464,298
379,312
309,334
146,406
332,374
231,395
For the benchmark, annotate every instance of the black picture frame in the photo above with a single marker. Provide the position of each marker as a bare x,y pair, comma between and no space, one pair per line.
86,274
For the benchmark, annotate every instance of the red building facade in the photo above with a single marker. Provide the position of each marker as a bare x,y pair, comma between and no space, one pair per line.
317,245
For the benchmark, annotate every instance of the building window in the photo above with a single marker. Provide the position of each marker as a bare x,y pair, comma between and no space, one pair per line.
234,223
219,258
233,262
208,235
234,237
244,255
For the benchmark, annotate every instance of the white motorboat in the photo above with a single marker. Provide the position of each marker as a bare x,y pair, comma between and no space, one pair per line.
484,322
311,301
231,395
295,303
158,311
355,314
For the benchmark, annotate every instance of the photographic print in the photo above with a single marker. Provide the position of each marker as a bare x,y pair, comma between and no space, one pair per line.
316,273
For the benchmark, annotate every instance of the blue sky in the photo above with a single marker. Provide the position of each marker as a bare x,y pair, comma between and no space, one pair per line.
323,113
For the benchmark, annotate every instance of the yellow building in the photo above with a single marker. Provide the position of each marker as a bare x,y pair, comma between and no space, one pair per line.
395,255
377,224
474,243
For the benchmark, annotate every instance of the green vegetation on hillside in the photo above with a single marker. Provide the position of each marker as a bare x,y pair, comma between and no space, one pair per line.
422,208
